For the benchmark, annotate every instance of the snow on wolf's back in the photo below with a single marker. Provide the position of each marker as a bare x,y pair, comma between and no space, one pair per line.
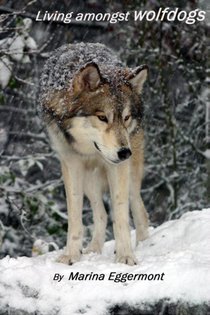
65,61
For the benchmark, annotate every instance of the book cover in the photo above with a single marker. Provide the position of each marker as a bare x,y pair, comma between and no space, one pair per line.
105,157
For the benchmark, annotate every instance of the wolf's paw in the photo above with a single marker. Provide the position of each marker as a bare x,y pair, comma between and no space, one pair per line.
69,259
93,247
126,259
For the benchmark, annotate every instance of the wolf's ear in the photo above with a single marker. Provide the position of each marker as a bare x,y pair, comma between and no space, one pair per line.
88,78
138,77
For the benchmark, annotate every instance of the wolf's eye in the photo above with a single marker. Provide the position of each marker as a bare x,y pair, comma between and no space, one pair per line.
103,118
127,117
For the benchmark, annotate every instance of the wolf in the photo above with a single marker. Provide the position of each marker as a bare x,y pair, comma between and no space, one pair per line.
91,103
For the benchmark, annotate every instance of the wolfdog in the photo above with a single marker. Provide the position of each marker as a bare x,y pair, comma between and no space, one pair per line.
92,107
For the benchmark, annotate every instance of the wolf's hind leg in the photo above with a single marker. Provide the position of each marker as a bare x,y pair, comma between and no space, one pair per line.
95,197
140,216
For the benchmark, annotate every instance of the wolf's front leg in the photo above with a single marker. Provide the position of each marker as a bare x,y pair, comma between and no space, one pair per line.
118,177
94,194
72,171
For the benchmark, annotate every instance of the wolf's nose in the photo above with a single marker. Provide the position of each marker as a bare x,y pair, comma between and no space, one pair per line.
124,154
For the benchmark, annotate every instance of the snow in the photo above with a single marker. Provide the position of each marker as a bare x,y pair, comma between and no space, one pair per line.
5,71
30,43
27,24
180,249
207,154
16,48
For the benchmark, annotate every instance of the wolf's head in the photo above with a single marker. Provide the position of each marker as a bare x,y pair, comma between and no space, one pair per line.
106,110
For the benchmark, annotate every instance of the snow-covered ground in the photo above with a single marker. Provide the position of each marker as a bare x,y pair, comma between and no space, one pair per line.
180,249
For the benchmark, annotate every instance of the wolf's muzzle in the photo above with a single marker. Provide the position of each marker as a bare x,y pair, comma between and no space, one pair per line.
124,154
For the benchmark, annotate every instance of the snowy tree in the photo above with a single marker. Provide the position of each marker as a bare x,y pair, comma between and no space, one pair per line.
175,107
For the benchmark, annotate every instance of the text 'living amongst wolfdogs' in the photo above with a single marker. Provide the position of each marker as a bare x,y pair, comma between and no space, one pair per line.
162,14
